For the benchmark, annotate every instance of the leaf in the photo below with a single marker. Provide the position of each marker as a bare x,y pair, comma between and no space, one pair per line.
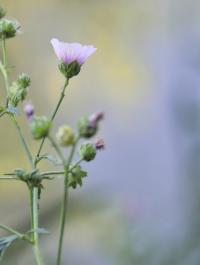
5,243
51,159
39,231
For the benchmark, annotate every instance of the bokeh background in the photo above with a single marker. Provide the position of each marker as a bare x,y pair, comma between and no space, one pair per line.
140,204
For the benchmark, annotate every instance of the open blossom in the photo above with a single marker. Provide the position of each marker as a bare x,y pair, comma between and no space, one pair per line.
70,52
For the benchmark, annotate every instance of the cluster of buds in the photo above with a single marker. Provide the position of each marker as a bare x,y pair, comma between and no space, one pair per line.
18,90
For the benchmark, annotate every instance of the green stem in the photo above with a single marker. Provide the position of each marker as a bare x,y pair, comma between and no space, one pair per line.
5,178
5,70
62,95
13,231
64,203
31,206
34,201
9,229
49,173
62,221
3,113
23,141
57,148
34,190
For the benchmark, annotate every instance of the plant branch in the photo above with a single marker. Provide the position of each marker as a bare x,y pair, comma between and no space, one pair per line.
62,95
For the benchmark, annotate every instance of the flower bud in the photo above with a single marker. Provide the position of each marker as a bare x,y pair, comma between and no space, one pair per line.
24,80
2,12
40,127
87,152
85,129
69,70
18,90
95,118
65,136
8,28
29,110
99,144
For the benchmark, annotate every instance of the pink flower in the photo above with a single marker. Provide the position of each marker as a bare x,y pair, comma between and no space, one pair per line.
95,118
70,52
99,144
29,109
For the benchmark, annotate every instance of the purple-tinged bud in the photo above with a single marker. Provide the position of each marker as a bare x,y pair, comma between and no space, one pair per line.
99,144
29,110
95,118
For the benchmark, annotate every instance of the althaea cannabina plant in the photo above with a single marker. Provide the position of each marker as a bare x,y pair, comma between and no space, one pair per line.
71,56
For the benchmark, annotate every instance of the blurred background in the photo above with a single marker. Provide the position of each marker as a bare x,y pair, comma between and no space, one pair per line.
140,204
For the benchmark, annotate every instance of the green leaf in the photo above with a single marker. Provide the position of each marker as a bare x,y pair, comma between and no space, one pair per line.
51,159
5,242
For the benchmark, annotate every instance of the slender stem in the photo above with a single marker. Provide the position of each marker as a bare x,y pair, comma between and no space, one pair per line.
5,70
9,229
62,221
5,178
31,207
57,148
64,203
3,113
13,231
35,226
23,141
34,190
62,95
49,173
76,164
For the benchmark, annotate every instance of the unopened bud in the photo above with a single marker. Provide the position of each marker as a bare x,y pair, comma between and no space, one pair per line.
40,127
29,110
85,129
87,152
95,118
24,80
8,28
99,144
65,136
18,90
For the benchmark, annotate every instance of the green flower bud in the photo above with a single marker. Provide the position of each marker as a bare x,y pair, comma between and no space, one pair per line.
18,90
87,152
2,12
40,127
75,177
24,80
69,70
8,28
85,129
65,136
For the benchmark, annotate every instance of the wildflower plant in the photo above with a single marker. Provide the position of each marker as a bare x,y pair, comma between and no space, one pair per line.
71,58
